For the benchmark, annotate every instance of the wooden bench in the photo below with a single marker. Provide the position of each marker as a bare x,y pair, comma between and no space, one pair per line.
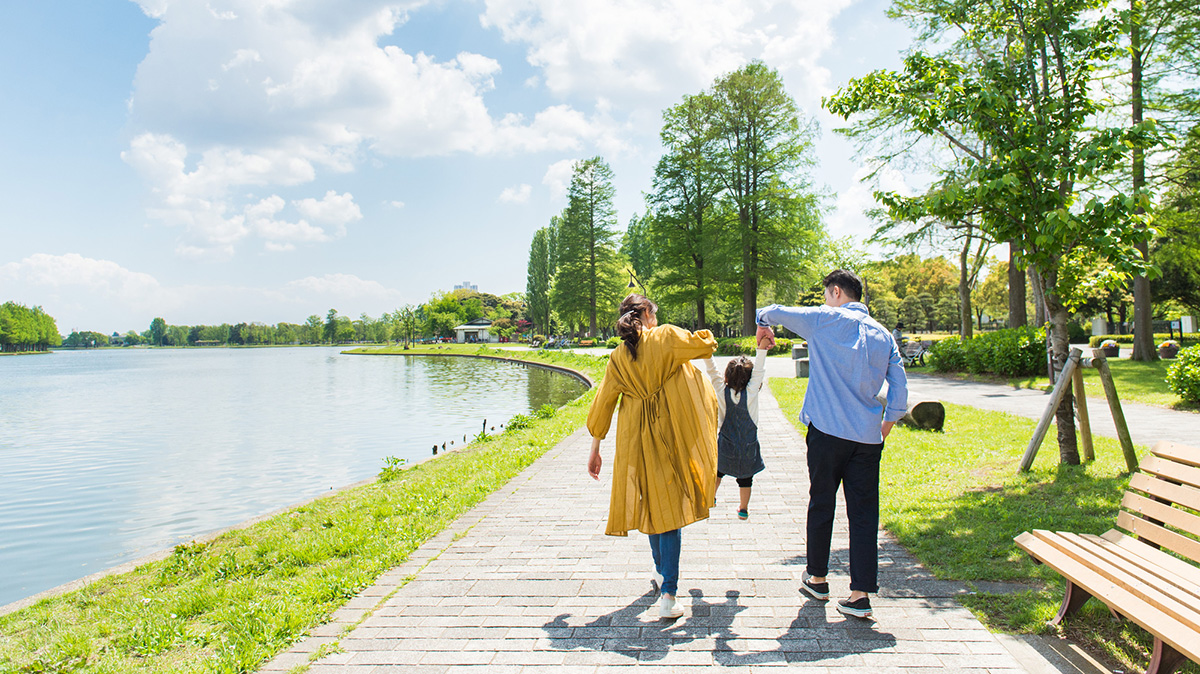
1135,575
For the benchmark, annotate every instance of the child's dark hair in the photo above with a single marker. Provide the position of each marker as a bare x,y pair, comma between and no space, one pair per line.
633,312
737,373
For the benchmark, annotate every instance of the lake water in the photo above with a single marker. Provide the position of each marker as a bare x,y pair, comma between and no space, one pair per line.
108,455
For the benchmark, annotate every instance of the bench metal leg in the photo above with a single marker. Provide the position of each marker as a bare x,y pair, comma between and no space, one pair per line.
1073,598
1165,659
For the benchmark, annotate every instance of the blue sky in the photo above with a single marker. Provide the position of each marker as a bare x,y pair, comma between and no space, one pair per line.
214,161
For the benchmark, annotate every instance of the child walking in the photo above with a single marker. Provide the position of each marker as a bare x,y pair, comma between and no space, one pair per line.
738,451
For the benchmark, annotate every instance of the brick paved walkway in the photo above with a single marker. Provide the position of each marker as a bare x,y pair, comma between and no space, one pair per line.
528,582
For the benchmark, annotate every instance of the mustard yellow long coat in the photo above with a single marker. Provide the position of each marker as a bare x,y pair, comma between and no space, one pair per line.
665,467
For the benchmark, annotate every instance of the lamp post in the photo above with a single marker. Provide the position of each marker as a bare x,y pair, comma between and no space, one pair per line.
635,283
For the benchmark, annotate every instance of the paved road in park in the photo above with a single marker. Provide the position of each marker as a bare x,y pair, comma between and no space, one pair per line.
528,582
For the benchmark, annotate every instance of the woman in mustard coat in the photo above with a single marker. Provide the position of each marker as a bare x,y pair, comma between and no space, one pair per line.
664,469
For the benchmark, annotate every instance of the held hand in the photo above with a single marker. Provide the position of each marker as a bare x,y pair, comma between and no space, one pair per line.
766,337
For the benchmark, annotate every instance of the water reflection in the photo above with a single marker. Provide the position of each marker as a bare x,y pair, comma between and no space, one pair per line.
107,455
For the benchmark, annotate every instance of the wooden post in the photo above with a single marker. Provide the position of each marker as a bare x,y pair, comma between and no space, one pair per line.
1114,404
1056,396
1085,425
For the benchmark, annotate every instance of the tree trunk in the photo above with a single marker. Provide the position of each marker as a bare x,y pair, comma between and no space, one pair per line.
1040,312
1068,448
1143,329
964,292
1017,317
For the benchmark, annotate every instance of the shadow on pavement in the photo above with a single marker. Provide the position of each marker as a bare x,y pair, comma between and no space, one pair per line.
635,631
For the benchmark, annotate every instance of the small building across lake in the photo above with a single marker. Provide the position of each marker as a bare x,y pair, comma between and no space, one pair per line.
475,330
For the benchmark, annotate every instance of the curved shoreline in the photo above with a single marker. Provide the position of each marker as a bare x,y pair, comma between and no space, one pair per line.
204,537
519,361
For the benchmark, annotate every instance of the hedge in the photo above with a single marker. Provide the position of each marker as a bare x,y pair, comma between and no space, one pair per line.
1014,352
747,346
1183,377
1159,338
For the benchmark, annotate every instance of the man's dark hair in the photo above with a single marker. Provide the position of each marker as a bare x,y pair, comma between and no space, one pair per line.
848,281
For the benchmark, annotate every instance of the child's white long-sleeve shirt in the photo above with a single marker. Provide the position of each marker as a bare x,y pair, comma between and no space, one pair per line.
752,387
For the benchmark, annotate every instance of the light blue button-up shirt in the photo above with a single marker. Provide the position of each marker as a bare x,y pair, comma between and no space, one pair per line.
850,357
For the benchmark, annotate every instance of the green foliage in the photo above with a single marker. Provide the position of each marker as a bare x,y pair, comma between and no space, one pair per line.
392,467
546,411
613,342
518,422
25,329
747,346
1183,377
589,276
1014,352
538,278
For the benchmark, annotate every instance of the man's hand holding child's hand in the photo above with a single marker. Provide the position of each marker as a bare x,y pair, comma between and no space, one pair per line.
766,337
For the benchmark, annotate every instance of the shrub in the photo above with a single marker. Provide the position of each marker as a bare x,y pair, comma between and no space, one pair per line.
746,346
546,411
1183,377
518,422
1015,352
392,467
1096,340
613,342
948,355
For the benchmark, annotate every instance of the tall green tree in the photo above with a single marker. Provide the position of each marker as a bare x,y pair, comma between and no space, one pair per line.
688,225
158,331
1027,99
537,280
588,273
763,153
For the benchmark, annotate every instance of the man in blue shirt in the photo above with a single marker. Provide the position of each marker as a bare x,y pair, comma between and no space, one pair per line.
850,357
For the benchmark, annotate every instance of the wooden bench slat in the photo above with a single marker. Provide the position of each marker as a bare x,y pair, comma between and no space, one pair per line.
1171,470
1157,534
1174,565
1175,493
1176,452
1150,564
1098,562
1165,513
1164,596
1170,630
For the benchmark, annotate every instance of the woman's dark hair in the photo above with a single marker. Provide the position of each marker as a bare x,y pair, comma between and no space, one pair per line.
737,373
633,312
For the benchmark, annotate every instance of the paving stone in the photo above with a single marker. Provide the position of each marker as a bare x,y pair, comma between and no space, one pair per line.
532,584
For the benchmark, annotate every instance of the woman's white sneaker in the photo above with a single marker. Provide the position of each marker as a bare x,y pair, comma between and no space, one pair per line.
669,608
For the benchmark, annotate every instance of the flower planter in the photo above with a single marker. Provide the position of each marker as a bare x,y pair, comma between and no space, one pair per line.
1112,351
1168,351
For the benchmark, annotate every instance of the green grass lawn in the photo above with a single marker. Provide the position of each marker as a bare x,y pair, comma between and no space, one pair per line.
1135,381
230,604
956,500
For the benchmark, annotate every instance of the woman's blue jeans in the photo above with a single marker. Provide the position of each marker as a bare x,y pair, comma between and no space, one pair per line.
665,548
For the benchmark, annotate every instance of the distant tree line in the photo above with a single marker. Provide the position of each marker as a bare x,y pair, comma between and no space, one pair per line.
26,329
434,319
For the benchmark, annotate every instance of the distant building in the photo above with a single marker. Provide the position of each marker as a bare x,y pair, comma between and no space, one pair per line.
466,285
474,331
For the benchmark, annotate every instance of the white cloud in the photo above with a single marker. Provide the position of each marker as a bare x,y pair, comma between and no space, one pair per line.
394,204
558,177
334,209
849,215
631,49
515,195
347,287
